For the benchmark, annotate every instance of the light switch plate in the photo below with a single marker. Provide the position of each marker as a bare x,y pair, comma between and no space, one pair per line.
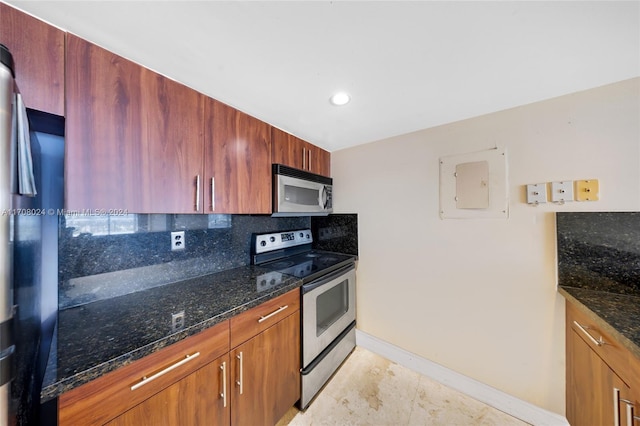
536,193
587,190
562,191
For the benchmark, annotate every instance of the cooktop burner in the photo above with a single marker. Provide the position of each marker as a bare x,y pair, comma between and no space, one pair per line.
309,264
290,253
282,264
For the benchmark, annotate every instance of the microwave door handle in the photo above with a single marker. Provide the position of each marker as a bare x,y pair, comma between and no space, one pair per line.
323,197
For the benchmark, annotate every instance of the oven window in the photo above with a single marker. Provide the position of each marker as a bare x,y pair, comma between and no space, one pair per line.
331,305
301,196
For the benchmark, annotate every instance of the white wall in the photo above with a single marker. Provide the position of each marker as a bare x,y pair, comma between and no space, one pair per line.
479,295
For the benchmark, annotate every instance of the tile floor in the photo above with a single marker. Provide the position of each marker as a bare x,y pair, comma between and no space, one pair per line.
370,390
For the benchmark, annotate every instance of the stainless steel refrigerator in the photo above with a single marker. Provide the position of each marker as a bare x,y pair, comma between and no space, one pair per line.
28,248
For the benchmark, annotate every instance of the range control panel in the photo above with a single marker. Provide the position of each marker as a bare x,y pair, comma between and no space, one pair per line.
280,240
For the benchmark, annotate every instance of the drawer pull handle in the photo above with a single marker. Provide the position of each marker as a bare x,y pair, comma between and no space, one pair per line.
597,342
146,379
276,312
223,395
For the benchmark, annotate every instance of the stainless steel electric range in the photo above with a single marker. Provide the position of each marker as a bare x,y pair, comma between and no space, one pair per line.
328,301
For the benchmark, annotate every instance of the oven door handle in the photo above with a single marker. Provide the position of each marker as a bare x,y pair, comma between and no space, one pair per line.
306,288
306,370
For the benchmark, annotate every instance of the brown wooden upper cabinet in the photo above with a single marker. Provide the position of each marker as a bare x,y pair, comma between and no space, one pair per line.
134,139
38,52
237,161
295,152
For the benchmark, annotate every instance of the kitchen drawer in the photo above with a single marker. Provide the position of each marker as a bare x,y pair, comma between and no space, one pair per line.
619,358
105,398
252,322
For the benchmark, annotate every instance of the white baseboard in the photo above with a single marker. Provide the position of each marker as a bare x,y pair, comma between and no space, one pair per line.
495,398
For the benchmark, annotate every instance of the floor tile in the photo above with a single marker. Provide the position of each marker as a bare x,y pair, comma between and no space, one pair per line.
436,404
371,390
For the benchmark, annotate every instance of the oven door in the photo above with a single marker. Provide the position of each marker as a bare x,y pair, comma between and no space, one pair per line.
295,196
328,308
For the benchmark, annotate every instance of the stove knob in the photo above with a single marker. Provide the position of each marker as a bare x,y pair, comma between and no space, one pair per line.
308,236
273,281
263,243
301,235
272,239
263,283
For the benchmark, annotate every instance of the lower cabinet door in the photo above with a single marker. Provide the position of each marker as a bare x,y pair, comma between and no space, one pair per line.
266,374
199,399
594,391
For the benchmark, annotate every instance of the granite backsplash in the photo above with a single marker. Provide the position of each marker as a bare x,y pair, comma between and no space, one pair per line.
101,257
336,232
599,251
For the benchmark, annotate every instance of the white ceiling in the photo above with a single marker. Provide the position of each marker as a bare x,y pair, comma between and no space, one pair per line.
407,65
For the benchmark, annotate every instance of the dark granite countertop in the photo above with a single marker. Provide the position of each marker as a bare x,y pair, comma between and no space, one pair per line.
617,314
599,270
99,337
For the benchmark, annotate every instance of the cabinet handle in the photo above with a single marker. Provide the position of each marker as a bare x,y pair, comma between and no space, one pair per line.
223,395
309,162
276,312
630,415
146,379
598,342
213,194
239,382
304,158
616,406
198,193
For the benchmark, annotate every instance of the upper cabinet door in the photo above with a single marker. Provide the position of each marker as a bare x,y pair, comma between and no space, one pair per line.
133,138
288,149
38,52
237,161
295,152
319,160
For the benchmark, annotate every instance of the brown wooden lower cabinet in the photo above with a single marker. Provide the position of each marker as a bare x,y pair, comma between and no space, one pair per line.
602,376
199,380
104,399
266,372
194,400
590,386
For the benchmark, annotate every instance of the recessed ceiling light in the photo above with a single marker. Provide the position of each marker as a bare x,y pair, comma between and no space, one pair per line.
340,98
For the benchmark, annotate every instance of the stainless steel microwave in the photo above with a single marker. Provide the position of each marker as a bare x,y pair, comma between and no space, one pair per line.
300,193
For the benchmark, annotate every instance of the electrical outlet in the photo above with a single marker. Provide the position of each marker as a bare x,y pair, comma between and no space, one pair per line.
177,321
177,241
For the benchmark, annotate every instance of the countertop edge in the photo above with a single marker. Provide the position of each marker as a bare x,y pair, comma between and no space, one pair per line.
621,338
58,387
